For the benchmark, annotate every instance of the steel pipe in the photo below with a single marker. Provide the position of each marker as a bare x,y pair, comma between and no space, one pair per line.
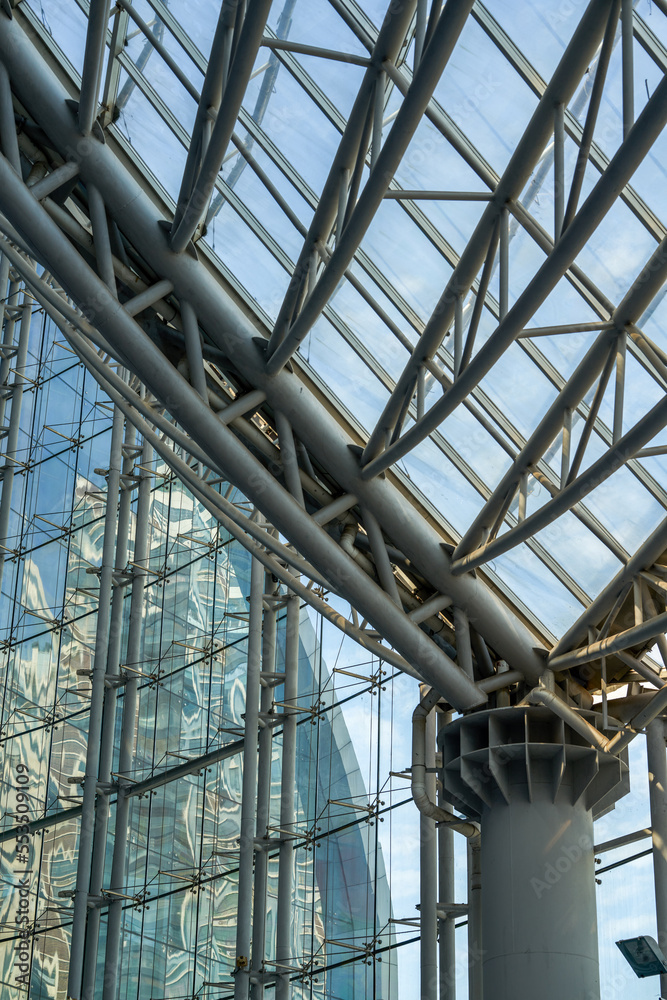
657,775
249,792
284,912
93,57
91,775
126,749
420,792
198,198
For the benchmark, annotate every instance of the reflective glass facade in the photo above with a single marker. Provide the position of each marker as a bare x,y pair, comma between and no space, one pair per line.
179,896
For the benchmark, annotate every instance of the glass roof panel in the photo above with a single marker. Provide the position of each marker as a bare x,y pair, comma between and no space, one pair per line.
293,115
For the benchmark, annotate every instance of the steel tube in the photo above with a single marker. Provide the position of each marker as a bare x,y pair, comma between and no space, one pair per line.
592,113
284,913
11,450
463,643
108,724
475,913
244,57
383,566
657,774
193,349
288,458
635,636
227,326
249,793
540,696
421,793
428,874
8,141
151,296
446,894
656,705
559,170
98,218
126,6
265,752
208,103
126,749
52,181
84,861
628,72
286,45
93,57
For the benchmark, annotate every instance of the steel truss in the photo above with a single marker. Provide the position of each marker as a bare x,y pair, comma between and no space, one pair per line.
218,394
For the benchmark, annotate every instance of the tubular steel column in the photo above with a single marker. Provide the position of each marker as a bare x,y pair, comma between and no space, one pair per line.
130,700
16,395
249,792
534,784
428,875
284,915
109,716
96,707
10,311
475,932
264,791
657,773
446,893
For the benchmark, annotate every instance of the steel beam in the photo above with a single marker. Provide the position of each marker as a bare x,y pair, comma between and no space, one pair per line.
8,141
126,750
250,39
286,859
85,846
657,776
263,814
11,462
428,873
93,58
249,793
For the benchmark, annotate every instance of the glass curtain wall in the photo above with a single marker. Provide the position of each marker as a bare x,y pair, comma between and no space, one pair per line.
179,897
